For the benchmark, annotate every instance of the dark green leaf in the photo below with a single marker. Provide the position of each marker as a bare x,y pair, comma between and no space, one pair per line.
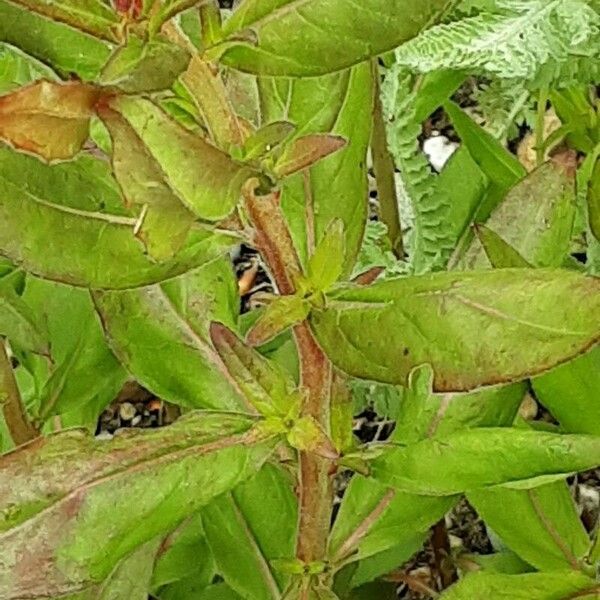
474,328
248,528
68,503
499,252
314,37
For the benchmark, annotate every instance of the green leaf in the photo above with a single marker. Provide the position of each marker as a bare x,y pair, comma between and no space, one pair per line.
44,235
536,218
49,119
327,262
570,393
85,376
479,458
17,68
474,328
144,66
186,557
131,577
165,221
208,92
263,382
500,166
560,585
593,199
92,16
69,499
281,313
499,252
167,324
435,88
52,42
305,151
267,138
20,324
339,104
548,533
248,528
210,192
311,37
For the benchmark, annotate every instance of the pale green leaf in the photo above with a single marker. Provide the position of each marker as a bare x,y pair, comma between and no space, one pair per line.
280,314
66,499
561,585
480,458
17,68
474,328
160,334
45,233
314,37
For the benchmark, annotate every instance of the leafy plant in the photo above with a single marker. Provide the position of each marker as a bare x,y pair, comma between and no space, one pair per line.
142,142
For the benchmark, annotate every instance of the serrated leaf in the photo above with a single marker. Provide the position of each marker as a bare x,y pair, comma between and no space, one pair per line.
69,498
561,585
312,37
266,385
47,118
55,43
90,249
92,16
305,151
480,458
548,533
248,528
144,66
474,328
280,314
210,192
165,222
326,264
167,324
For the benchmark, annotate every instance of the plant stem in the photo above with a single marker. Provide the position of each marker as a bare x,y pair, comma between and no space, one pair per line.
539,125
20,428
441,553
316,490
383,167
274,242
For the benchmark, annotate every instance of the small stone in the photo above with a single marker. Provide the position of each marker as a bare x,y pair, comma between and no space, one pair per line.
127,411
136,420
104,436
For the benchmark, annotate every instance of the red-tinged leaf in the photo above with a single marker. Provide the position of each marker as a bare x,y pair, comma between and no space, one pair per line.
92,16
48,119
165,222
306,151
129,7
282,313
266,385
66,511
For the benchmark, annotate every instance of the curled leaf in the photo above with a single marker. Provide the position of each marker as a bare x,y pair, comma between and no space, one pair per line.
305,151
47,118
